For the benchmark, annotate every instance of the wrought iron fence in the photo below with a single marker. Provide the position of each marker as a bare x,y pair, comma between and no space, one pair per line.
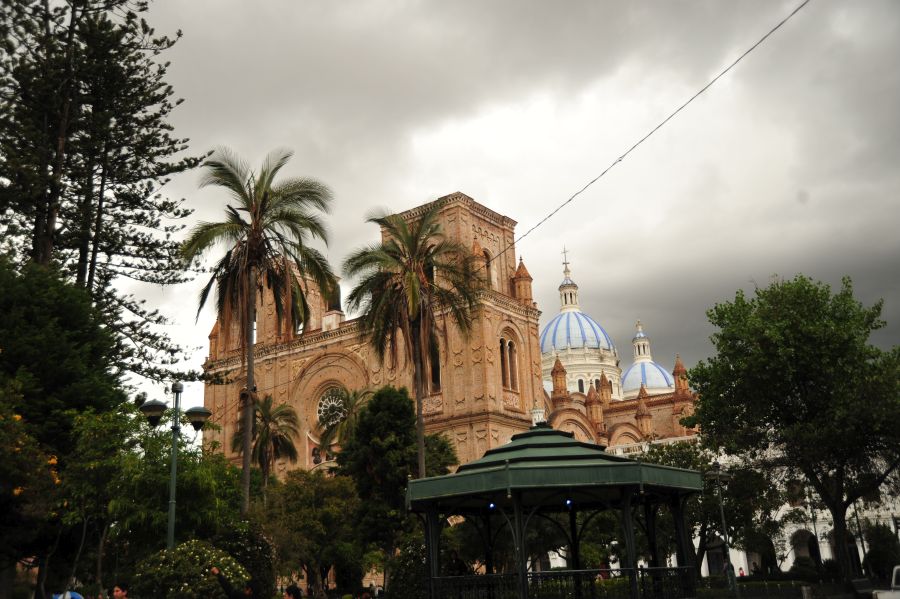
644,583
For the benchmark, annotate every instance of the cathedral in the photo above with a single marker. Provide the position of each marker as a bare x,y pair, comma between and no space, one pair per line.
588,394
483,388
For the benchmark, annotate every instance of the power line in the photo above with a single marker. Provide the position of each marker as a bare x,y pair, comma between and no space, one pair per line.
617,160
654,130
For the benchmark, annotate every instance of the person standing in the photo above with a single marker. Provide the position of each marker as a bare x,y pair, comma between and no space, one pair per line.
120,591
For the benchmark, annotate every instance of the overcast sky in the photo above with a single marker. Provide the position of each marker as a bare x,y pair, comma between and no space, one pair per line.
789,164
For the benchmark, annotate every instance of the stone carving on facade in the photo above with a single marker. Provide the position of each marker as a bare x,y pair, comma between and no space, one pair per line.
458,357
296,367
476,354
481,444
433,404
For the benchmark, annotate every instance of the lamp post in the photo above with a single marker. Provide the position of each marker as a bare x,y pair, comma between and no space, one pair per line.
153,411
729,567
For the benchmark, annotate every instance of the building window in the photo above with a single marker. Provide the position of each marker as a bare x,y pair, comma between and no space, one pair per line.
580,386
513,366
331,408
434,360
504,365
597,384
509,364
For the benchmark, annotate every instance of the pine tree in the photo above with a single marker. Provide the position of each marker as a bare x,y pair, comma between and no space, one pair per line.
85,147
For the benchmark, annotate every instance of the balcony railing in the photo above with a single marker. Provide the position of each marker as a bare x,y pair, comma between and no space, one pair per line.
643,583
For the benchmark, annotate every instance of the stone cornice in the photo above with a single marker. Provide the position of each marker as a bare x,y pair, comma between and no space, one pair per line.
464,200
350,328
314,338
504,301
630,405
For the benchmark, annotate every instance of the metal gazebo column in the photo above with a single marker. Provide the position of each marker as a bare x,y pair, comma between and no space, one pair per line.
631,553
432,548
519,539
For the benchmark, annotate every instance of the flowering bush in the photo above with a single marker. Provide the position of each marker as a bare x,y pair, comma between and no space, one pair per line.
249,546
184,573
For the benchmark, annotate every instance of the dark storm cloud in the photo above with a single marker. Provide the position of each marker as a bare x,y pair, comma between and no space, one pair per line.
787,165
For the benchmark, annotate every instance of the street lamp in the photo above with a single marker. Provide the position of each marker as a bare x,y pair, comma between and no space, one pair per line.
729,567
153,411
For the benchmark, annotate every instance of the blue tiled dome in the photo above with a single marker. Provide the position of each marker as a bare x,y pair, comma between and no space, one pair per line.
573,328
650,374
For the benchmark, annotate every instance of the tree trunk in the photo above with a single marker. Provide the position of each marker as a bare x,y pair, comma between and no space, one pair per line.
84,526
701,549
47,239
98,223
84,226
101,549
247,448
419,384
839,517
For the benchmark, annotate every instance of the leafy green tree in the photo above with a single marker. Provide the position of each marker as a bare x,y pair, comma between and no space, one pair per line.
28,483
267,238
411,282
340,424
794,377
750,499
93,479
274,430
55,345
85,146
307,519
380,457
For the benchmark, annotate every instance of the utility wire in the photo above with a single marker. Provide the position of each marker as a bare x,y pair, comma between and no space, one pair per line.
654,130
620,158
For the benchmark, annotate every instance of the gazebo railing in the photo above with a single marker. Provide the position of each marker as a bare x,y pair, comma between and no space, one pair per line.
479,586
647,583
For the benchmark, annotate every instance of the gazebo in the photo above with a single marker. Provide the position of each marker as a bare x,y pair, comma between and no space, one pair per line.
545,472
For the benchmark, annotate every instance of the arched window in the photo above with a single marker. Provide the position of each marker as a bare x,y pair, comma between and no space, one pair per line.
435,362
597,384
513,366
509,364
504,364
580,386
488,269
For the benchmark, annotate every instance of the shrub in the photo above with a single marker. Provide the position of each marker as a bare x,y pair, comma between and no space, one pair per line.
183,573
884,551
252,549
804,568
408,576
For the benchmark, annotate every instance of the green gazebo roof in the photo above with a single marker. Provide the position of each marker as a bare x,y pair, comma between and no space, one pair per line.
547,467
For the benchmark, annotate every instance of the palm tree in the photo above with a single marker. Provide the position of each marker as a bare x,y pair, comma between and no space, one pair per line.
266,233
339,424
407,282
272,436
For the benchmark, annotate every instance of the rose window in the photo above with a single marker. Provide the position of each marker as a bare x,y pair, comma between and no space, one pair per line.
331,407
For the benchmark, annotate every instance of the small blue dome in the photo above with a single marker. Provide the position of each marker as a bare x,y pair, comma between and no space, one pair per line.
650,374
574,328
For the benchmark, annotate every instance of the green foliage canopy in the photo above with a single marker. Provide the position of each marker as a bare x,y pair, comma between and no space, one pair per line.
307,517
796,385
